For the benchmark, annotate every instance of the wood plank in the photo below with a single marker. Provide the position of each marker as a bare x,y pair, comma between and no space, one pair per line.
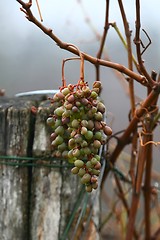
46,184
15,119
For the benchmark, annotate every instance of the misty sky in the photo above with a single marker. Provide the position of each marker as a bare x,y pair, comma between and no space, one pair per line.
29,60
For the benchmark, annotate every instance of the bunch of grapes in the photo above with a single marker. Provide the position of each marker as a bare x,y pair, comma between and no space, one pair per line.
79,130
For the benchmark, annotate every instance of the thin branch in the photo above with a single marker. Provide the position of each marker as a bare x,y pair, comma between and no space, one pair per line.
106,27
137,41
129,51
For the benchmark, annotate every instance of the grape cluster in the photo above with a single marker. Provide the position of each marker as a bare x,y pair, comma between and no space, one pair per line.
79,130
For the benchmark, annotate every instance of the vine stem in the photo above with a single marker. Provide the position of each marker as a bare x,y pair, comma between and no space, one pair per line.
63,63
124,139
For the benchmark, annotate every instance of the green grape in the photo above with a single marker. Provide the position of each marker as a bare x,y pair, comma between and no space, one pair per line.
87,150
58,140
97,157
94,95
75,123
79,163
57,123
98,135
90,124
98,116
97,84
70,153
84,144
81,172
65,154
89,164
83,130
95,185
96,144
62,146
75,170
94,161
50,121
86,178
88,188
84,123
59,111
65,91
71,143
101,108
89,135
59,130
95,172
78,138
66,113
72,159
76,152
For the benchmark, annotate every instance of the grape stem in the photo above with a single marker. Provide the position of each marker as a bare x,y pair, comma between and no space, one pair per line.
63,63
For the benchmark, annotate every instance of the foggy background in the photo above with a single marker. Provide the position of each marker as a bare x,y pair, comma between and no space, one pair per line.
30,60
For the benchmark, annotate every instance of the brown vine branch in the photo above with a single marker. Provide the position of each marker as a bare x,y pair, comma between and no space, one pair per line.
106,27
124,139
29,15
137,42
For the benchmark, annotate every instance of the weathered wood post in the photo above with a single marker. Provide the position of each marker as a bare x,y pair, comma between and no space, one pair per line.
14,136
38,196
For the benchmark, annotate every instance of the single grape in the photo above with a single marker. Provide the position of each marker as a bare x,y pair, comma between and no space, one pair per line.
83,130
79,163
59,111
75,170
88,135
94,161
88,188
107,130
98,116
86,178
81,172
65,91
98,135
75,123
59,130
50,121
96,144
76,152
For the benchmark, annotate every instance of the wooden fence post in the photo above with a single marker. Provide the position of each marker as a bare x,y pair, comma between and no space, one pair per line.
46,184
14,130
